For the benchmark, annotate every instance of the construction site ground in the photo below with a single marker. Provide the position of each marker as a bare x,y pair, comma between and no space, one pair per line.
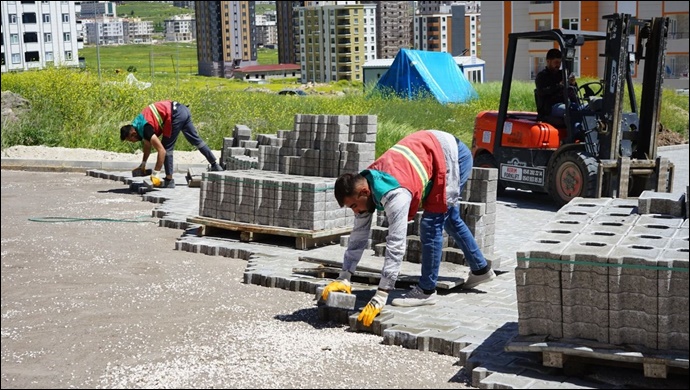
101,288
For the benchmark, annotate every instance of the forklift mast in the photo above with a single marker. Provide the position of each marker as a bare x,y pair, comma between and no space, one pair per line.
639,127
652,81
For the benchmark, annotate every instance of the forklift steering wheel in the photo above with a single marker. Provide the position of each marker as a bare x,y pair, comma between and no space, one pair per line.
587,91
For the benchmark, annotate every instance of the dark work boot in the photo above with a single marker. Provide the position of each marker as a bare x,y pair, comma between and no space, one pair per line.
168,183
215,167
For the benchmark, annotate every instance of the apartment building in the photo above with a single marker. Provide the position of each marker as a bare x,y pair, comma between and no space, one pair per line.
393,27
473,30
266,30
518,16
440,26
180,28
335,41
137,30
226,36
104,31
36,34
94,9
117,31
287,22
184,4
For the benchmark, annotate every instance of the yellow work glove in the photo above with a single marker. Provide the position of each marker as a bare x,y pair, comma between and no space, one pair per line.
155,180
373,308
342,285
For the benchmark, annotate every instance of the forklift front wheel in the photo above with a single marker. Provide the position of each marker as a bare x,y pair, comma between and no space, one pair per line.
573,174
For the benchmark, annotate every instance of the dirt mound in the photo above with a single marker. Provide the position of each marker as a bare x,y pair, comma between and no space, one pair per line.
13,106
667,137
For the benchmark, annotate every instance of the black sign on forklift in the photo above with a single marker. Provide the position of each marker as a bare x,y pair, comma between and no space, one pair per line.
598,150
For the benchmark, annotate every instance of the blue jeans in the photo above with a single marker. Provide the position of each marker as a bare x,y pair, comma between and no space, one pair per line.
558,109
431,232
182,122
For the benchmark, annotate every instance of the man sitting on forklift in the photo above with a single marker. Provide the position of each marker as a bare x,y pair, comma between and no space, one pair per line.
550,100
551,104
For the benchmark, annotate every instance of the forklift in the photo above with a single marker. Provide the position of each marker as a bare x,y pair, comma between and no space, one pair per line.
588,153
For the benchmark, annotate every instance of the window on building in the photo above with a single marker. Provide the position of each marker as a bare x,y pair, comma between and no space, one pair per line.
570,24
14,38
68,55
49,56
46,18
65,18
30,37
542,24
2,59
66,37
16,59
29,17
31,56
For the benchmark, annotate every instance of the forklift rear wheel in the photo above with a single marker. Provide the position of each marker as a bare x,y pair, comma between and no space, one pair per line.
486,160
573,174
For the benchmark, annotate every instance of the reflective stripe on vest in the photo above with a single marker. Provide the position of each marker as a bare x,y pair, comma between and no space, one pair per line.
157,115
416,164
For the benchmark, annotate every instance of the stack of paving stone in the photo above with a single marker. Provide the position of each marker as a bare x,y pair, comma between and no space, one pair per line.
239,151
478,212
272,199
613,271
286,179
319,145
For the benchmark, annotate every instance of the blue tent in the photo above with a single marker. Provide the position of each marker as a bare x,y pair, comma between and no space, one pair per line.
417,72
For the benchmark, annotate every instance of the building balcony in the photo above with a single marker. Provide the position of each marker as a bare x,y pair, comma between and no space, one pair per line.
540,7
344,42
678,44
539,46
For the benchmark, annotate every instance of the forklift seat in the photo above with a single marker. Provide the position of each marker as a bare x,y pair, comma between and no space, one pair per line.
544,112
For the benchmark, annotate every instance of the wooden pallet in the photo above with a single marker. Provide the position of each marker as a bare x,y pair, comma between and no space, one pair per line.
563,352
304,239
322,271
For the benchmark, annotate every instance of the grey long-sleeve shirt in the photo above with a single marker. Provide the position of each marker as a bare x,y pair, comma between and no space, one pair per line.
396,204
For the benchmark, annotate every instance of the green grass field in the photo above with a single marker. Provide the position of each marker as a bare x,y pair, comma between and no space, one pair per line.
148,59
82,109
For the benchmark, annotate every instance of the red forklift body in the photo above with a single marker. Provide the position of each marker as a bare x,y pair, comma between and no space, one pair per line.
520,130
